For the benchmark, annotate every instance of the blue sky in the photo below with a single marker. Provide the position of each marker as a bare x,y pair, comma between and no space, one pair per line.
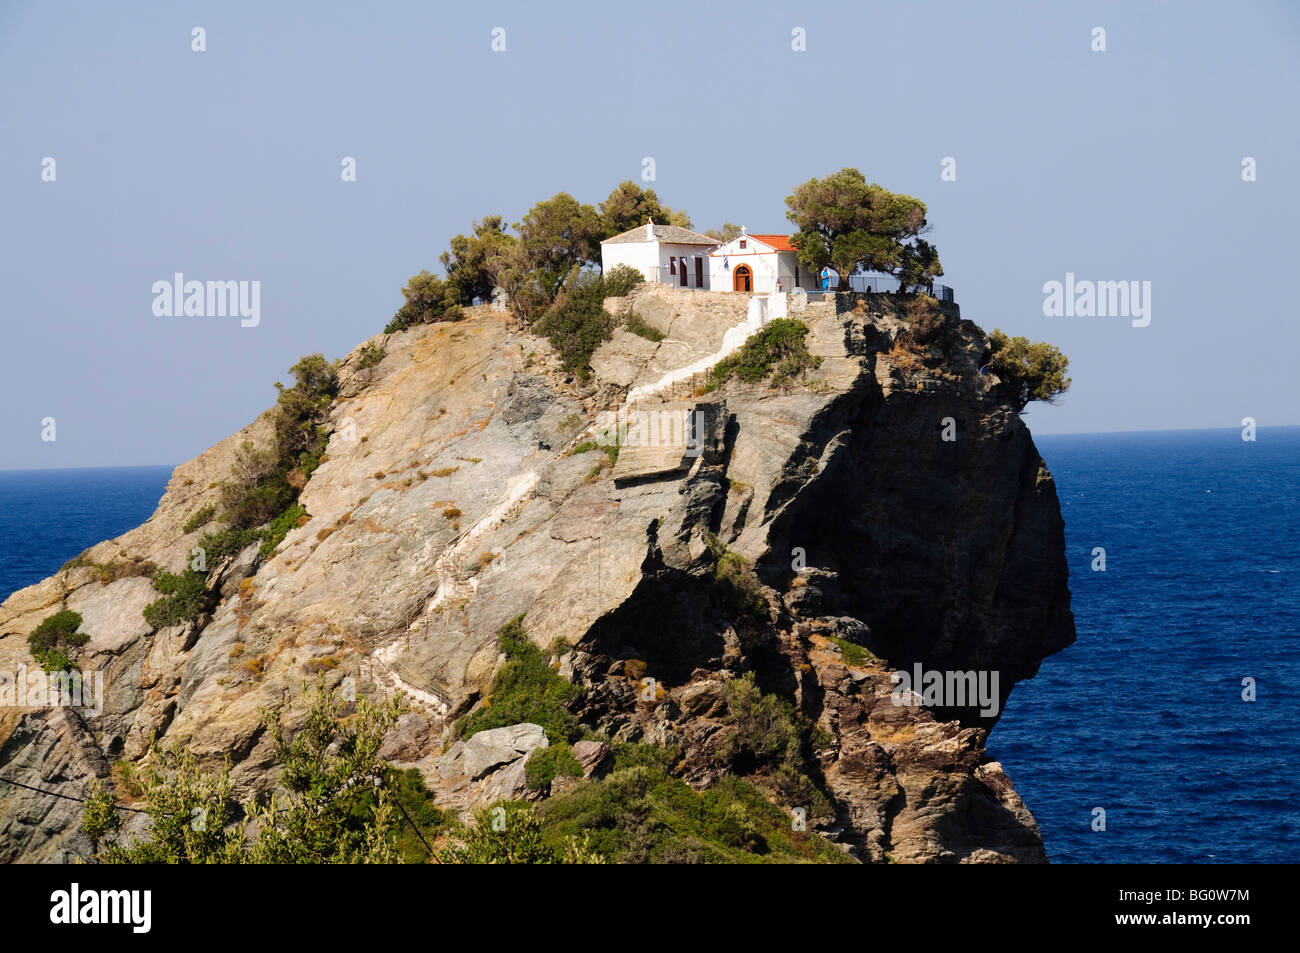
224,165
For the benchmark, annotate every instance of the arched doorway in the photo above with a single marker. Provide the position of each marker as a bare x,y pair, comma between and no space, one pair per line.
742,279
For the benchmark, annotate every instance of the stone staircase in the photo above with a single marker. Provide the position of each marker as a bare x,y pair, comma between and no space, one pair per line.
646,452
655,443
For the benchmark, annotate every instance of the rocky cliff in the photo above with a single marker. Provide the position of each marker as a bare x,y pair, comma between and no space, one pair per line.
891,510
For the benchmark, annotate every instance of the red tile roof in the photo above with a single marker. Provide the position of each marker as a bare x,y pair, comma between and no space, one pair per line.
779,242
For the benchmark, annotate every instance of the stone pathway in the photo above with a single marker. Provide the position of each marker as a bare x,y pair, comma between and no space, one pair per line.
453,585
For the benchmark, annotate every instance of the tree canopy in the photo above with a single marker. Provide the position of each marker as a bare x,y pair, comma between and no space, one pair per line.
629,205
849,224
1028,371
428,299
724,234
550,247
557,237
468,262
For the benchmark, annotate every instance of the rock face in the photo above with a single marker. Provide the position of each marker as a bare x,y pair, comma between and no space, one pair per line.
449,504
497,746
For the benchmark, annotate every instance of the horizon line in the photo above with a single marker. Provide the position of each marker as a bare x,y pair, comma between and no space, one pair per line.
1062,433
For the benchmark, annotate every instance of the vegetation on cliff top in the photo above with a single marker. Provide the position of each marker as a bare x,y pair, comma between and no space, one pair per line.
776,349
577,322
843,222
849,224
552,245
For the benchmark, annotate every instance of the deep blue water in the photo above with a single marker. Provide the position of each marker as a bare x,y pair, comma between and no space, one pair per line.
1143,716
49,516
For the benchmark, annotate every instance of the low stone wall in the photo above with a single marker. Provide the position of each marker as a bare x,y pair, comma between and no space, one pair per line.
886,303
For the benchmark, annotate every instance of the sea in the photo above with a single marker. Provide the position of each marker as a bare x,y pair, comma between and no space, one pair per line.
1169,732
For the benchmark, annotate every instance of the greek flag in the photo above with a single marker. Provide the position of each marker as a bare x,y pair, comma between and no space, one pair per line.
725,265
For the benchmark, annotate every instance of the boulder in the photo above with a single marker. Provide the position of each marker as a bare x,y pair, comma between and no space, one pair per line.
594,756
497,746
408,740
706,698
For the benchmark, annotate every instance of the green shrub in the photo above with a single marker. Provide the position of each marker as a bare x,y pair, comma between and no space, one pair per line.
301,417
55,660
772,735
405,317
200,518
577,322
416,808
266,481
510,833
620,280
247,506
526,688
766,725
227,542
52,642
322,815
661,760
777,349
279,529
371,355
739,589
184,597
638,325
851,652
546,764
641,814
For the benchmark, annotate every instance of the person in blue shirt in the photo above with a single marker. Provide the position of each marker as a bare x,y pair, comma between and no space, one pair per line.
826,278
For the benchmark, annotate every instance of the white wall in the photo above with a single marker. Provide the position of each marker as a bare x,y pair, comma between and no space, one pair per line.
667,250
763,262
643,256
652,260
